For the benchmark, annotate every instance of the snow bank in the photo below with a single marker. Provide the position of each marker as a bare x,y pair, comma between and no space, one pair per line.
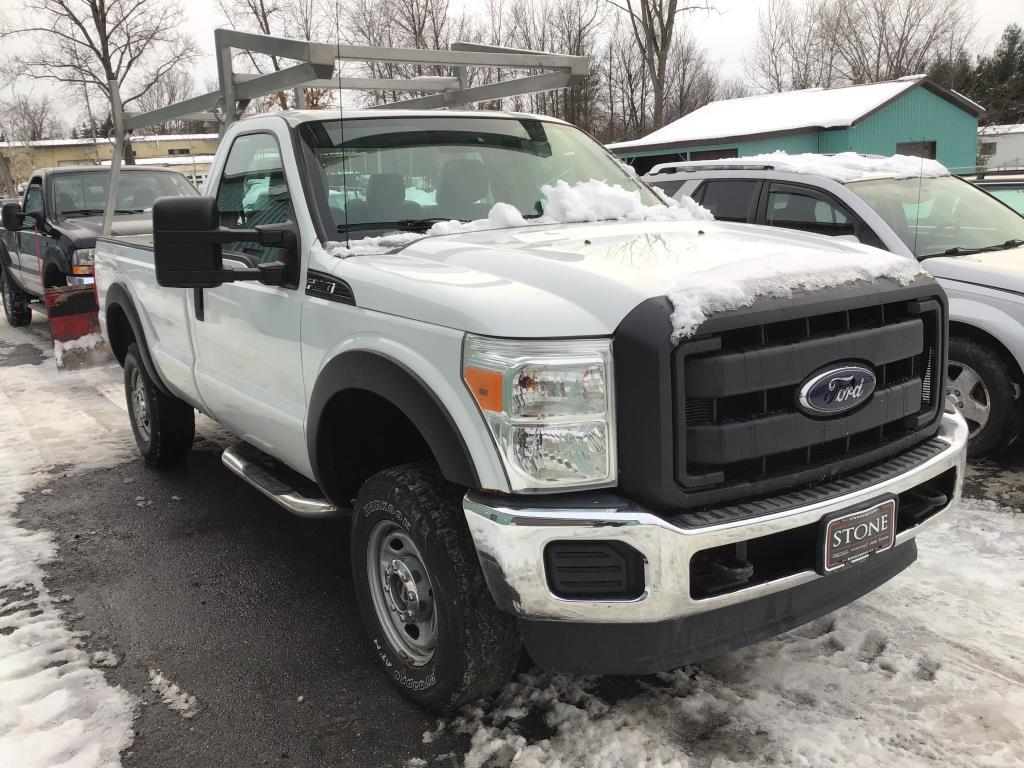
849,166
731,279
79,348
54,709
926,671
563,204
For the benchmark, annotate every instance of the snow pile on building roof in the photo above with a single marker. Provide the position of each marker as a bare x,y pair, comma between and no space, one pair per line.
563,204
732,278
847,166
923,672
1000,130
775,112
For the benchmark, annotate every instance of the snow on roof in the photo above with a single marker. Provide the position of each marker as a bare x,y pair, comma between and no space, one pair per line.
843,167
172,160
776,112
1000,130
105,140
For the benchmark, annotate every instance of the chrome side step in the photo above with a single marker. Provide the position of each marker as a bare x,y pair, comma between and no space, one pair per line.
255,468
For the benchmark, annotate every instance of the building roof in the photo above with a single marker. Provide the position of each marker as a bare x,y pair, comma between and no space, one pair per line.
788,112
1000,130
104,140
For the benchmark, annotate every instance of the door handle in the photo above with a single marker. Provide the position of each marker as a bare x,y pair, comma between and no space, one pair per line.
197,301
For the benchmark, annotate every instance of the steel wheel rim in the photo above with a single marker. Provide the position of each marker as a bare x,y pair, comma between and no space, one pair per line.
402,593
139,404
973,399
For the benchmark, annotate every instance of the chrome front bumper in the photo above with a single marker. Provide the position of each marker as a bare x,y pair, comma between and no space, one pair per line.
510,542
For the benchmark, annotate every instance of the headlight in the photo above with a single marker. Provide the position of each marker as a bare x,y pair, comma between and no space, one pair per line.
549,406
82,260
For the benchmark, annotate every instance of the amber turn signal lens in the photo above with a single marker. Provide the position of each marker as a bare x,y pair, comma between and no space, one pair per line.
485,386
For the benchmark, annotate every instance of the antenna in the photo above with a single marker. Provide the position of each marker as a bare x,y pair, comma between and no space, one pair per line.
341,119
920,179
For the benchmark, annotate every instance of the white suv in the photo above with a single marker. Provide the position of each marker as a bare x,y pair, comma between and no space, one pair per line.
968,239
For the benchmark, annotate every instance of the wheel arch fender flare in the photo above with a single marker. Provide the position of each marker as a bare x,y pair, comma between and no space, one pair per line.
118,299
390,379
985,320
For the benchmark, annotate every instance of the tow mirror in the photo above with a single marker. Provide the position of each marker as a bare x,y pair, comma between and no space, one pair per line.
13,219
187,239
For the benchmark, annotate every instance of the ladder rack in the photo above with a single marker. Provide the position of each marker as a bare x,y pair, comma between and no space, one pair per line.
316,68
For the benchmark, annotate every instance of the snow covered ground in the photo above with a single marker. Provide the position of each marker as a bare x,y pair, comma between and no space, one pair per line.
928,671
55,709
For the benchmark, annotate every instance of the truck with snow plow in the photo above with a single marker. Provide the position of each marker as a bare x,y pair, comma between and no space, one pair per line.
565,415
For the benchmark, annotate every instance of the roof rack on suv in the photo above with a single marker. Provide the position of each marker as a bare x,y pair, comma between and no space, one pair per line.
700,165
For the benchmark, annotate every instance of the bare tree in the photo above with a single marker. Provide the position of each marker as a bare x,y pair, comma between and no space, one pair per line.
653,24
304,19
824,43
25,118
87,43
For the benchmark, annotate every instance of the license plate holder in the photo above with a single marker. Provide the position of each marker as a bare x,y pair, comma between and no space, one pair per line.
848,536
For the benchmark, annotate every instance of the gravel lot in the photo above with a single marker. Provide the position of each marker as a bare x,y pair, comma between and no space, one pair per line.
229,631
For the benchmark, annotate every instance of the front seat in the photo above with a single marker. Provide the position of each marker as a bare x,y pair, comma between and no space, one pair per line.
463,185
385,201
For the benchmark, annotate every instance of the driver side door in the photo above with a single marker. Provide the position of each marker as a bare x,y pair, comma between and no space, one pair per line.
248,356
28,254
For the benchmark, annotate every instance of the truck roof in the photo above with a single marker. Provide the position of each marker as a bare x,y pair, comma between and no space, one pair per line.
79,168
297,116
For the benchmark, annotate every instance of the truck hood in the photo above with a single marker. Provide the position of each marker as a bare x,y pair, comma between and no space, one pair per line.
999,270
575,279
84,230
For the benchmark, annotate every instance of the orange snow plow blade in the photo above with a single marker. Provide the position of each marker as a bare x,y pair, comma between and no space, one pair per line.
75,326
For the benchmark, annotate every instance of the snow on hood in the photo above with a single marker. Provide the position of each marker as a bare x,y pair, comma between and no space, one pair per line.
731,279
563,204
849,166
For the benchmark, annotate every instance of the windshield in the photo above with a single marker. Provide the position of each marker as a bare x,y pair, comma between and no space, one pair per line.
403,173
936,215
85,193
1012,196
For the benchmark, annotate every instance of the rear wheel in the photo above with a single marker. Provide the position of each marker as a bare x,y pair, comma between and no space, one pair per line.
164,426
16,307
430,617
982,384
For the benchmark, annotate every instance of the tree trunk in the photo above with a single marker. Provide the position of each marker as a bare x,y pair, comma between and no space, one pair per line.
129,151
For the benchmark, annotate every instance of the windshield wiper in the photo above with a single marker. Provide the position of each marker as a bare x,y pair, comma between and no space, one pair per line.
83,212
129,210
410,225
961,251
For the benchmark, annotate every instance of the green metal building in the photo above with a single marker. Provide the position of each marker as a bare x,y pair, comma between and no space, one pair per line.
910,116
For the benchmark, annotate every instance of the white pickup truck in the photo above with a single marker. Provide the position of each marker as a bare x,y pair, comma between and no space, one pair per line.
561,413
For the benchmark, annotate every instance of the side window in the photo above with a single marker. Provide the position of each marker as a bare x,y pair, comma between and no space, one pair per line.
253,191
668,187
730,199
797,208
34,197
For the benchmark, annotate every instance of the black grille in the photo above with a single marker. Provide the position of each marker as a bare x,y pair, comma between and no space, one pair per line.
740,432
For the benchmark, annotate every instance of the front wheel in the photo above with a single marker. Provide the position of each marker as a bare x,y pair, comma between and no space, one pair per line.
16,307
982,384
430,617
164,426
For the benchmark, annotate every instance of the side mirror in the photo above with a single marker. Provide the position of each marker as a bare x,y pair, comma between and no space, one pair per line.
13,218
187,239
182,256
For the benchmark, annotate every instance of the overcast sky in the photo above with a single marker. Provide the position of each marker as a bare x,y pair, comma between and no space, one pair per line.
726,32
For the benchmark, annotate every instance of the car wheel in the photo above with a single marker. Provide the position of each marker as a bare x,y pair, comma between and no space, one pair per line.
982,384
429,615
16,307
164,426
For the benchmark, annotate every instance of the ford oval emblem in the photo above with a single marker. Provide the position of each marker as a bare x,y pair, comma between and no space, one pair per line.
837,390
